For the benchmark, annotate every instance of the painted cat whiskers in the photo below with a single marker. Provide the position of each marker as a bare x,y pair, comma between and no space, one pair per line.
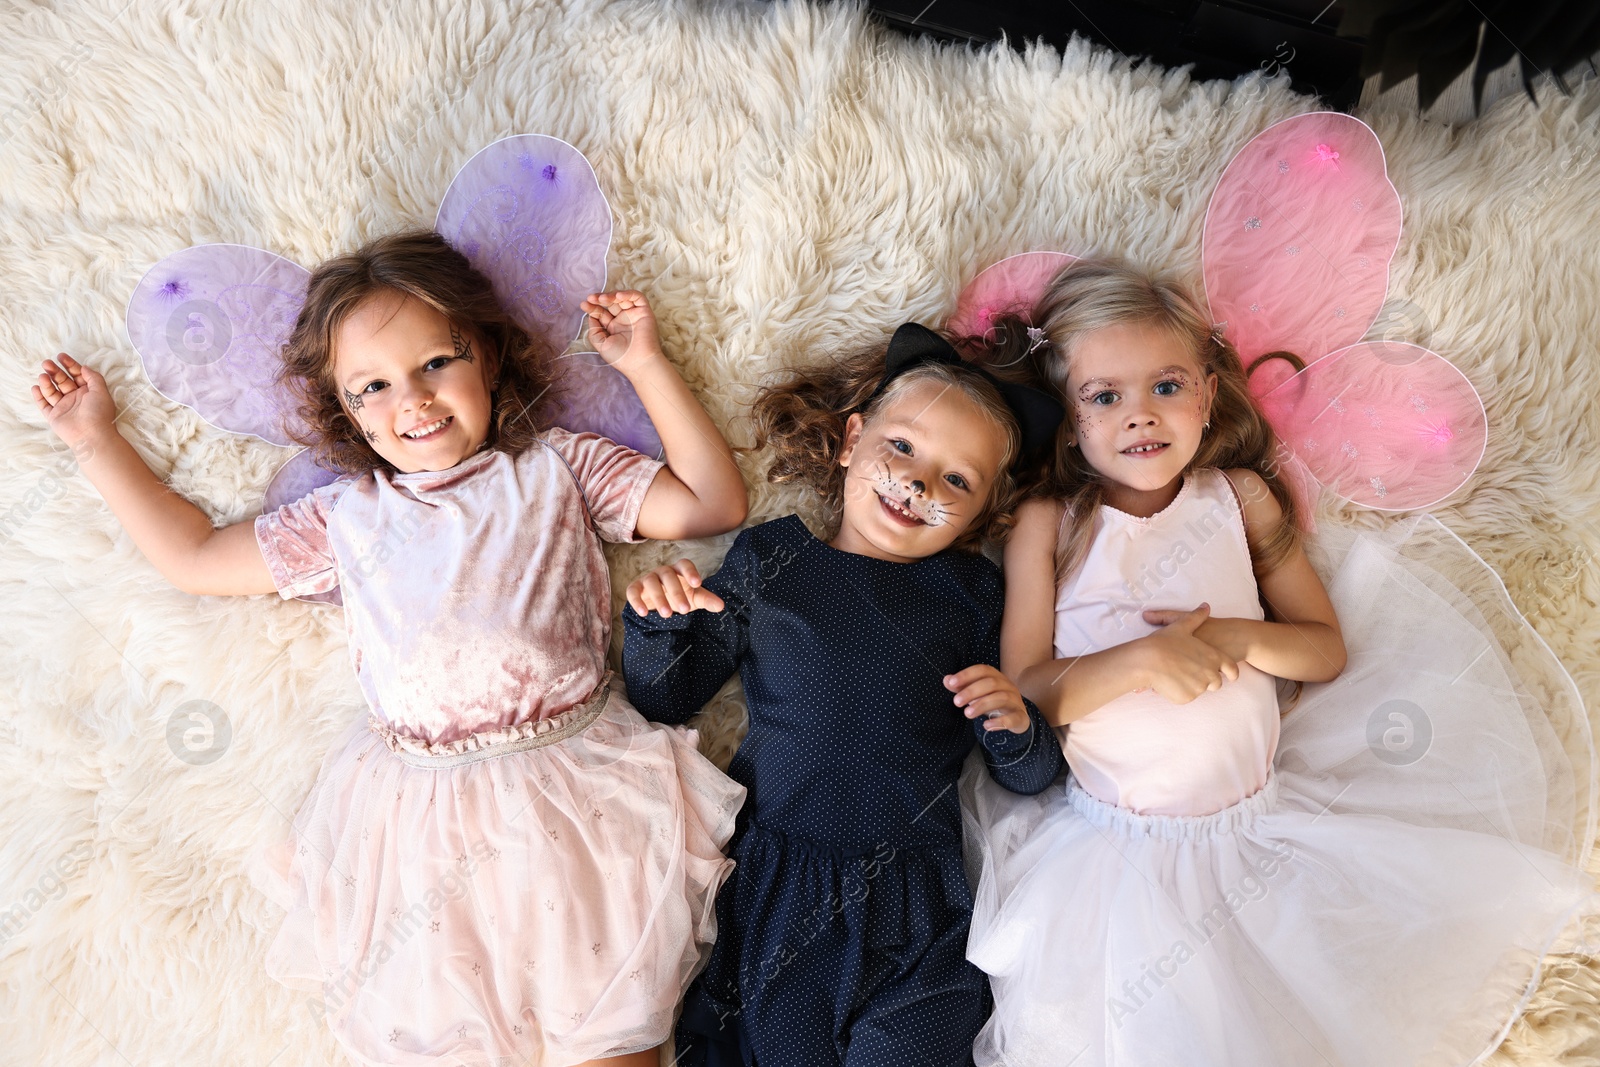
930,512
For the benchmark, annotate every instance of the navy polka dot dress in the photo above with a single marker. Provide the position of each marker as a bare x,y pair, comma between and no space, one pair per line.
842,932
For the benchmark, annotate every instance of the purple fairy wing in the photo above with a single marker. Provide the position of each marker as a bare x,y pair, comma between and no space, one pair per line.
1012,286
528,212
1298,237
1384,424
298,476
593,395
208,322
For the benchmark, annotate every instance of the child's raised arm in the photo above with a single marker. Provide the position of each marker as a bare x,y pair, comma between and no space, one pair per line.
1173,661
1301,641
700,492
172,533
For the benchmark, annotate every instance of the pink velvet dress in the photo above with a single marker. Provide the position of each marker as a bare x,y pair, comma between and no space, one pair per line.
503,862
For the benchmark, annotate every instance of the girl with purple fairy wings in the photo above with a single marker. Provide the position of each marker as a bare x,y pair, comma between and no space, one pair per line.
503,862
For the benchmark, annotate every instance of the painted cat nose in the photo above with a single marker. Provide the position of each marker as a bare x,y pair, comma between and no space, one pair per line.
918,487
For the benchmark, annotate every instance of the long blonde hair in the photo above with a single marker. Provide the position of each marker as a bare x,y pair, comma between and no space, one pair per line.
1092,294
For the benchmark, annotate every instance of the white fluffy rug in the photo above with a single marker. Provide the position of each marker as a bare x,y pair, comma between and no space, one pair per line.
785,179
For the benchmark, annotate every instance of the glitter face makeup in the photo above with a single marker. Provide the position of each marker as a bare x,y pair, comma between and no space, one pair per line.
1140,401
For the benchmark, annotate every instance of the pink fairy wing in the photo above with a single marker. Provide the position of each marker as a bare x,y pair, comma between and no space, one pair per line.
1298,237
1012,286
298,476
208,322
1384,424
1302,486
528,212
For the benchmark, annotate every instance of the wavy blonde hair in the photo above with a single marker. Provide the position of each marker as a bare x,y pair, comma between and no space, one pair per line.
1092,294
423,265
802,418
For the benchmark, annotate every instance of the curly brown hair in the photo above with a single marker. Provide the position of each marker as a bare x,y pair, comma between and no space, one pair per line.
803,419
1094,293
423,265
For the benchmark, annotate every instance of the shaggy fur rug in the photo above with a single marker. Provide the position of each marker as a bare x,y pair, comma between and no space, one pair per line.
786,180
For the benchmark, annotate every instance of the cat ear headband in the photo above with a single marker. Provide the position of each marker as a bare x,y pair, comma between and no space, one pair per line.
1295,254
1038,414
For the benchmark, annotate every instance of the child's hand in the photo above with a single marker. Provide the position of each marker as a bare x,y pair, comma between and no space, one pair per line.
622,328
74,400
1231,637
983,690
1181,666
668,589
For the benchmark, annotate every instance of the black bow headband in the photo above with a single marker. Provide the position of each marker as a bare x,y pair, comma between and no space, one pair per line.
1038,415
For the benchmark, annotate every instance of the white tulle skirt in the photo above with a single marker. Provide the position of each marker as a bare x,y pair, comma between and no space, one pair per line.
545,906
1387,897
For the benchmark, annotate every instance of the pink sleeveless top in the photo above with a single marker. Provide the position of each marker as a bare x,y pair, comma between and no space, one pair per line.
1141,751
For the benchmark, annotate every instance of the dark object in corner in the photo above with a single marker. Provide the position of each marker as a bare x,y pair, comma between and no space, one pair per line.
1327,48
1436,40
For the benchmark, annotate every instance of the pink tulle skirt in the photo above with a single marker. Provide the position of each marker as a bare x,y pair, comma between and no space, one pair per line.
547,905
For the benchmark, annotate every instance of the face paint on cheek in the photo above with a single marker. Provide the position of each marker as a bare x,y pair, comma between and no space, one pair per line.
931,512
1088,421
463,350
1190,391
354,402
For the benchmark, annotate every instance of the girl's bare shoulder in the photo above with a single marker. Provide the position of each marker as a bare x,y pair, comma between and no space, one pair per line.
1261,509
1039,513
